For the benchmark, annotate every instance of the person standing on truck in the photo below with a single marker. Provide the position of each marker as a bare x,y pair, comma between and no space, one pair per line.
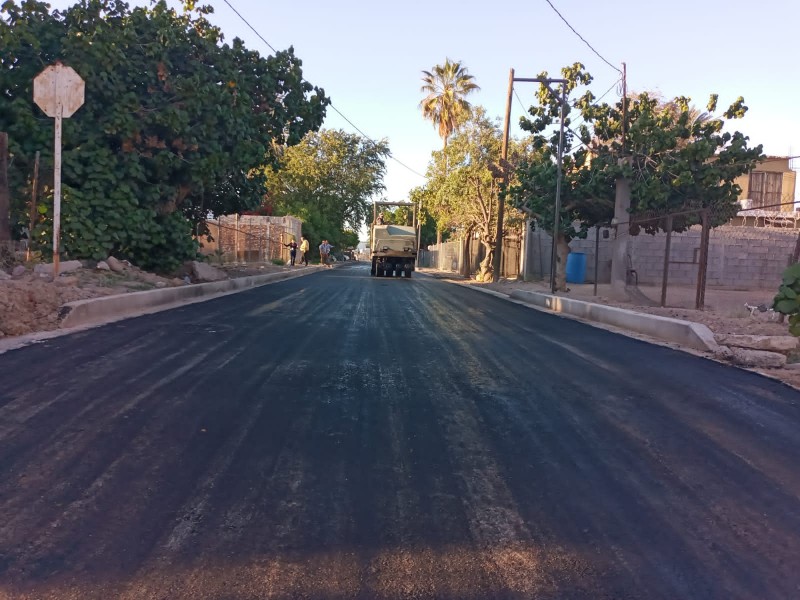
304,247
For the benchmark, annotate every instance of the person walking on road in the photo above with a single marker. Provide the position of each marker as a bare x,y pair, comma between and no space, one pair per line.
324,253
304,247
292,251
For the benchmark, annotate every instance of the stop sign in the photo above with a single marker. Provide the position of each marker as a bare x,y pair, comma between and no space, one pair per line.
58,84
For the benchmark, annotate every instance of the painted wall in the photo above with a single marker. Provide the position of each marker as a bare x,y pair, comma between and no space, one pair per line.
788,180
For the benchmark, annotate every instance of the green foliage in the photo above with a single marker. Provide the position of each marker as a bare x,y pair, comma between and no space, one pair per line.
676,158
444,105
787,300
428,225
328,181
278,261
176,124
464,196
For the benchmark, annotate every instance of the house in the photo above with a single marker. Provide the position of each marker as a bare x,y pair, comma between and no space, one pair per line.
770,186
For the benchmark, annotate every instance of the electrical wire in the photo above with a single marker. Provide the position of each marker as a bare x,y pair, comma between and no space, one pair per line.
582,38
522,106
261,37
250,26
373,141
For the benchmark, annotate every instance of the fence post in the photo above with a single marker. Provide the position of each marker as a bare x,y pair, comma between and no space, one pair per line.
32,221
701,271
665,274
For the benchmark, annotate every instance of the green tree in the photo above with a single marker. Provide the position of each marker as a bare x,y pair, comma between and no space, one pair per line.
176,124
328,180
676,158
464,198
446,87
428,228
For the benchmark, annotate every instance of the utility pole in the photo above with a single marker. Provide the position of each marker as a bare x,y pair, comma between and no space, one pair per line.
624,107
622,204
504,160
501,205
557,214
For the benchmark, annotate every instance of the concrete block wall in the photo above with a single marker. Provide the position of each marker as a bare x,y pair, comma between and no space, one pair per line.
740,257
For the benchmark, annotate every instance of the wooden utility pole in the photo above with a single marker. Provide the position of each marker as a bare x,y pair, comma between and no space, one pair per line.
498,244
5,204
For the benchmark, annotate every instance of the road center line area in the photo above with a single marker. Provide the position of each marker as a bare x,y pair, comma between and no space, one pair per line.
346,436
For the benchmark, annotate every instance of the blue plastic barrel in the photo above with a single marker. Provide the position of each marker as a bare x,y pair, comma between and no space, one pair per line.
576,267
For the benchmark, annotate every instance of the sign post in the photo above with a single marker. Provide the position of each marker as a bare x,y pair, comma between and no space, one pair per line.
59,92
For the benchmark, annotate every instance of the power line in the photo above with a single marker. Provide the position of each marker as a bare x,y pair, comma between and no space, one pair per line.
250,26
582,38
373,141
261,37
522,106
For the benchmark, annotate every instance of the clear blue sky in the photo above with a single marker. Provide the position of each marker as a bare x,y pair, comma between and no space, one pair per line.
368,56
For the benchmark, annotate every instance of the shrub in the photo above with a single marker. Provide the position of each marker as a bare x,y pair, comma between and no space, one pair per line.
786,301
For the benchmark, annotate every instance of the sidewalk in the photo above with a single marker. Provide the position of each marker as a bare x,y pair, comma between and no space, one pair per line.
724,309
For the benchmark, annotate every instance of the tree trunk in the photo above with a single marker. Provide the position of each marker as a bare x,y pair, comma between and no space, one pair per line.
5,204
438,236
485,269
562,251
466,266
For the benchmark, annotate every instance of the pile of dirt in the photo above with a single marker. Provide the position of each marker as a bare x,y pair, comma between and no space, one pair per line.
30,300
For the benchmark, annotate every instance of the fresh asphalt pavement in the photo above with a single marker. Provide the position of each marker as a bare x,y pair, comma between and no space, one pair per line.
343,436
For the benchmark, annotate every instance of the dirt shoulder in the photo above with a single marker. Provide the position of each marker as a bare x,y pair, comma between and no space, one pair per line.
30,301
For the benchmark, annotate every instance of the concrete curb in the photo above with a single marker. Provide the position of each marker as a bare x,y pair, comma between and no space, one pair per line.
106,308
684,333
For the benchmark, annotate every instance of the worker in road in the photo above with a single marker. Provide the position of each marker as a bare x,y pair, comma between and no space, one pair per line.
304,248
324,253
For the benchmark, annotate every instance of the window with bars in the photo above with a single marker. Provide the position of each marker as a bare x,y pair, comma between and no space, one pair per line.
765,189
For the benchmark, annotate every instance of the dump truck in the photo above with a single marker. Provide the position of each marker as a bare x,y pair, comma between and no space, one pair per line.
393,247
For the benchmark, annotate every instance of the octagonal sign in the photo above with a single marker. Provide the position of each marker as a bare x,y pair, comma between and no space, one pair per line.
58,84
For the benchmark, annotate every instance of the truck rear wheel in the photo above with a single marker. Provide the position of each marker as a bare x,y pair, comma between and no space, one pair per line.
372,270
407,273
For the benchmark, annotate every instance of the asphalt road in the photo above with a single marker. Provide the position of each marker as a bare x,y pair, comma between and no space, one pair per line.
341,436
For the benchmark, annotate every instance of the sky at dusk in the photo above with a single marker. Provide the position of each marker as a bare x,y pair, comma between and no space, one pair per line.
368,57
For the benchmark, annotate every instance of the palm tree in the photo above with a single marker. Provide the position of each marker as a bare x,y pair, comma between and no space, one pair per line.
444,105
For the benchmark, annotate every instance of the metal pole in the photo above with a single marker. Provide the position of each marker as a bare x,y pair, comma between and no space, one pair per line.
624,105
557,214
701,271
236,240
596,255
498,243
665,275
418,225
57,190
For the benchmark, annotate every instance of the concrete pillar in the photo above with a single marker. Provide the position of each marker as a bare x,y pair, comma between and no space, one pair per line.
619,249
